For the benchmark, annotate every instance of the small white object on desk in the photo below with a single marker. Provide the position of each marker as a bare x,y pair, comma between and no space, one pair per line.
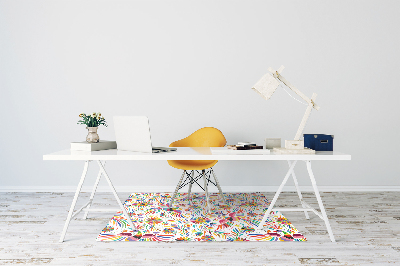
271,143
294,147
294,144
225,150
86,146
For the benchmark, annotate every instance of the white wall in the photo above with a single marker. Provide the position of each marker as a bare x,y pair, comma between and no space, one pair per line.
190,64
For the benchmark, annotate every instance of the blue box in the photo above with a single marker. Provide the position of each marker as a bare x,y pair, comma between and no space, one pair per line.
318,142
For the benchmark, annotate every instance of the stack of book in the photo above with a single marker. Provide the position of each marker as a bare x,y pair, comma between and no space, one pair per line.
98,146
241,148
245,146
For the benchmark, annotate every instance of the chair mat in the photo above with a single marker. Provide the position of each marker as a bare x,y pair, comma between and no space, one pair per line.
189,221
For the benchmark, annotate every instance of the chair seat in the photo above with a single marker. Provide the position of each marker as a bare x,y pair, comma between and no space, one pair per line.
192,164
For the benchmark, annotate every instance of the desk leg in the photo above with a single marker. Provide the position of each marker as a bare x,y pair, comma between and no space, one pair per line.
298,191
271,206
93,192
321,205
128,218
71,210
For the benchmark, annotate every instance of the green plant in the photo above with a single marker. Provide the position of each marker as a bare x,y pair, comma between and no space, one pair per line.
93,120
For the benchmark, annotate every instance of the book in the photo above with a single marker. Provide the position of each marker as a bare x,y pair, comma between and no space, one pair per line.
86,146
244,144
235,147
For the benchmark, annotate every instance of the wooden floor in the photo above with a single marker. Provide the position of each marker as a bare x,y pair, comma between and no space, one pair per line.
366,226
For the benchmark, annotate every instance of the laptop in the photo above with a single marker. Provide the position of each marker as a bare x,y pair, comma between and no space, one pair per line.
133,134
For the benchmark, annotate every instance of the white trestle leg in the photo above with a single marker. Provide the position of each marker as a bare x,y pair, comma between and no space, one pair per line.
305,207
93,192
126,214
271,206
71,209
321,205
298,191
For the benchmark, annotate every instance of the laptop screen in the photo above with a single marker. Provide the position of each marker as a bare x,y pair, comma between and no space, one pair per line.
132,133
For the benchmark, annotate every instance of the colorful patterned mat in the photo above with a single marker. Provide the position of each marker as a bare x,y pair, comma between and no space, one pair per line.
156,221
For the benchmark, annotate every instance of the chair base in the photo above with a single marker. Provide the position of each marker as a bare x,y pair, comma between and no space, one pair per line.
188,178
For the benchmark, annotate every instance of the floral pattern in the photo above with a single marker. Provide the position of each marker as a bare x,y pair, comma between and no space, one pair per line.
189,220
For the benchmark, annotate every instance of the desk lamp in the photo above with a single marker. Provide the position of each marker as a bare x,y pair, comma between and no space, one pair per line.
266,86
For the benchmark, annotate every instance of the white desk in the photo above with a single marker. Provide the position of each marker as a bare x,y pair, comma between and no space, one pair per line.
194,154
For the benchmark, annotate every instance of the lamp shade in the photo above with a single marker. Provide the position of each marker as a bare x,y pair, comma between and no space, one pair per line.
266,86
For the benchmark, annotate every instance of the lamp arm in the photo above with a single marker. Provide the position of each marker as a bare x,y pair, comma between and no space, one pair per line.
305,117
293,88
311,102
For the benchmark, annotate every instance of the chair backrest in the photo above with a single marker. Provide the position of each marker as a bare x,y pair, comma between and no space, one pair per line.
204,137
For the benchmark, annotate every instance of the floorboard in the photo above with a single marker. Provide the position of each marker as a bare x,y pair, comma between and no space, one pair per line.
366,226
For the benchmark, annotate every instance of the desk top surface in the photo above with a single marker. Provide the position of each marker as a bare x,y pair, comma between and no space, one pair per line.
187,153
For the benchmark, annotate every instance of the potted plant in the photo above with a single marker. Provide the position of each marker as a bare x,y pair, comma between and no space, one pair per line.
92,123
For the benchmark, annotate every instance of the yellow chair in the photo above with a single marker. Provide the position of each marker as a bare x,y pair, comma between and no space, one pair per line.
204,137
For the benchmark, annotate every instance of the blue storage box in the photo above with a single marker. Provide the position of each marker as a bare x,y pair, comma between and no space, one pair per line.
318,142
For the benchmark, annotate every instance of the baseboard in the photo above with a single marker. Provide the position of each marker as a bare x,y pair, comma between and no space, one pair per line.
195,189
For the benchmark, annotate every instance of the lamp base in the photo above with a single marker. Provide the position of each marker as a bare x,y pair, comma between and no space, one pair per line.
294,144
293,151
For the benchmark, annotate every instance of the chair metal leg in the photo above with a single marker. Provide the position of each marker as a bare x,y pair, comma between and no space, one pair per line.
299,192
192,179
206,190
219,187
177,188
190,184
